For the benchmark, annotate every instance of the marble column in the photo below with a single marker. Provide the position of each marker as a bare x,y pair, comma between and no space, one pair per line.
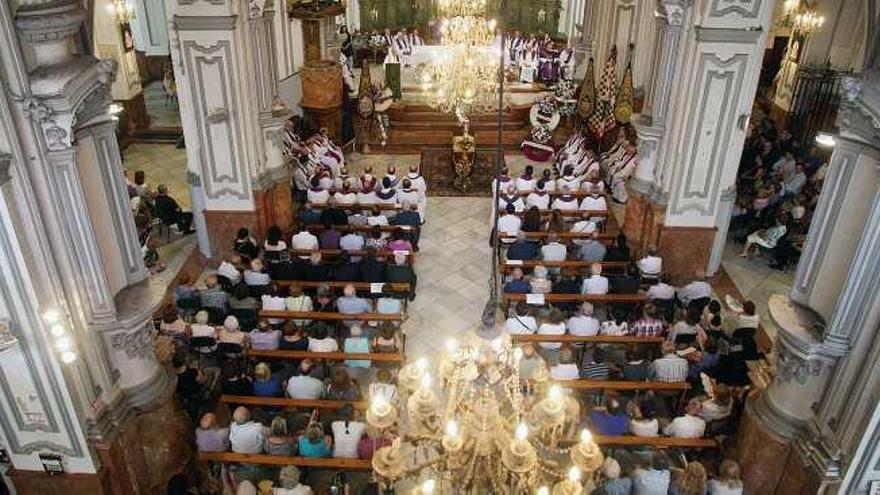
232,128
824,415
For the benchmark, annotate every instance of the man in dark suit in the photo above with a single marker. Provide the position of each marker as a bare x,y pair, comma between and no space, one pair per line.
347,271
168,210
626,284
523,249
567,284
372,269
333,215
316,270
410,216
400,272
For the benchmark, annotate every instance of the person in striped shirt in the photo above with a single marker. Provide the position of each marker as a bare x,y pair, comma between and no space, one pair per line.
597,368
671,367
649,325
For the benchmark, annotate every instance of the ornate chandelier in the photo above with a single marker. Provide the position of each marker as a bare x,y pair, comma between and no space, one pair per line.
479,433
464,79
801,16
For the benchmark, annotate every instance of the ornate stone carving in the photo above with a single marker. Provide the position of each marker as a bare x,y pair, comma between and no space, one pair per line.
136,344
48,23
193,179
256,8
852,89
790,366
36,110
673,10
57,138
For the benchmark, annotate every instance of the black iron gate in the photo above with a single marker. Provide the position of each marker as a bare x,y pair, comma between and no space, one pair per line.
814,102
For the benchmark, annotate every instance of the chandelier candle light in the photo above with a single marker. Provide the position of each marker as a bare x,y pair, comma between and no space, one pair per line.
474,430
463,80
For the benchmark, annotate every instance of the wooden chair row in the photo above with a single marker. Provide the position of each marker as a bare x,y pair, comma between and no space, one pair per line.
339,285
577,194
285,460
594,339
621,385
602,236
358,207
594,298
385,357
316,315
567,213
315,227
335,253
573,265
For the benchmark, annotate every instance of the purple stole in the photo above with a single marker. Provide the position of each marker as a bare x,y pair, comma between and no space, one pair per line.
385,194
567,198
393,178
526,177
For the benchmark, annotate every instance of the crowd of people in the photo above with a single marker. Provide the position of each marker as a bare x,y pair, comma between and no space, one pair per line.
148,204
778,186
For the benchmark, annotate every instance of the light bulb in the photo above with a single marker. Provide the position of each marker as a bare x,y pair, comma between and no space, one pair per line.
379,403
491,25
51,316
555,392
452,428
452,345
586,436
522,432
57,330
426,380
422,364
517,354
543,491
428,486
63,344
574,474
68,357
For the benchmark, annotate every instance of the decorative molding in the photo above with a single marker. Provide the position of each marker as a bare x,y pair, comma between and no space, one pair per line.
672,11
136,344
721,8
790,366
687,194
41,23
193,179
256,8
205,23
217,115
725,35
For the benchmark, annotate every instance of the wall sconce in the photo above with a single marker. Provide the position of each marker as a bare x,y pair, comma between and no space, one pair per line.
123,10
63,342
825,140
52,463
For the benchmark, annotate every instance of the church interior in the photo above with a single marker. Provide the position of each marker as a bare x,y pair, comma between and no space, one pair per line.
527,247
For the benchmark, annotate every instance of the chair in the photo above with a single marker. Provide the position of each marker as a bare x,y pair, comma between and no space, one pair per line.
203,345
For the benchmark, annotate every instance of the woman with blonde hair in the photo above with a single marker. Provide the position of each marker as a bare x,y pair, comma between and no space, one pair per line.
279,441
313,442
729,481
266,383
690,480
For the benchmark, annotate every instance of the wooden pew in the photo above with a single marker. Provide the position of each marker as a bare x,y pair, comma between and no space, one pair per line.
656,442
339,285
594,298
357,207
567,213
315,315
602,236
571,266
316,227
597,339
578,194
287,460
385,357
621,385
286,403
335,253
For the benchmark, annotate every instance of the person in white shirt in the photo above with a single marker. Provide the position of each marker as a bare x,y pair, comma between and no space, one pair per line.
303,385
651,265
346,435
729,481
583,226
596,283
509,225
671,367
553,250
643,422
304,240
274,302
255,275
583,324
698,289
522,323
246,436
345,196
566,201
511,198
377,217
367,197
594,202
661,291
567,369
538,197
555,325
526,182
720,404
227,269
320,340
273,242
691,425
317,195
568,179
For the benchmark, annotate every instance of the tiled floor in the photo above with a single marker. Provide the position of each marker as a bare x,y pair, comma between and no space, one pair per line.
453,271
163,164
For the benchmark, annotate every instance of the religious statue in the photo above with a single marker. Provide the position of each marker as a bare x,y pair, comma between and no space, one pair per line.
463,152
382,100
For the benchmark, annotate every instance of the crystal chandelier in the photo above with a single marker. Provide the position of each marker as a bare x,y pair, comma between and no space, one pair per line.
479,432
123,10
801,16
464,79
